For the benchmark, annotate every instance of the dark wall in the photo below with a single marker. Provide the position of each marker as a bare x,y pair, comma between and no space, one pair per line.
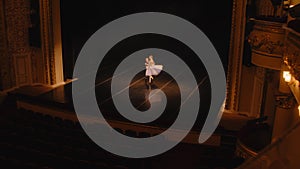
80,19
34,29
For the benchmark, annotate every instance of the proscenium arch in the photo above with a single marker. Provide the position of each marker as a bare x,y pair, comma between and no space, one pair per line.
235,57
91,56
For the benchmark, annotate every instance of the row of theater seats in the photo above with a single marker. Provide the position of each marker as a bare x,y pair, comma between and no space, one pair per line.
34,140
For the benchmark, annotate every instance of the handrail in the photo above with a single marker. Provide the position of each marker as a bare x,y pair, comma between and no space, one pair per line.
270,147
242,148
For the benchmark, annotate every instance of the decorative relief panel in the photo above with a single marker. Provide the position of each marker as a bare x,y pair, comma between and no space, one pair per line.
264,43
292,52
39,65
267,40
2,44
7,78
270,9
285,101
22,69
17,23
17,20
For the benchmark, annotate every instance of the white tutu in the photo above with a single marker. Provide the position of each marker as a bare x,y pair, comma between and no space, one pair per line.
153,70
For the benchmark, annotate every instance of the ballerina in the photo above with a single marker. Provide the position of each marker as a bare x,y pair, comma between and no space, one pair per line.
151,68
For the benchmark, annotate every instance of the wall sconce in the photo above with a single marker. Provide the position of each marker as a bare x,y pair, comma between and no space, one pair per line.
287,76
299,109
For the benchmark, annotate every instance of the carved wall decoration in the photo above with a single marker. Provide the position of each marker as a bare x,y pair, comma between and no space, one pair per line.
291,60
265,9
264,43
5,80
6,72
21,64
17,23
267,41
19,51
285,101
292,52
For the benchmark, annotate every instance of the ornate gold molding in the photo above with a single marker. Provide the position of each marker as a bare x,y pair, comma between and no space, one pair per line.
236,54
46,35
51,41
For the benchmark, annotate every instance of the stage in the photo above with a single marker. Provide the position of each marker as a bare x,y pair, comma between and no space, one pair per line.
58,102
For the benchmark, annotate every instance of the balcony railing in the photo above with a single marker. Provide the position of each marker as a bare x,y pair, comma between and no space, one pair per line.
283,153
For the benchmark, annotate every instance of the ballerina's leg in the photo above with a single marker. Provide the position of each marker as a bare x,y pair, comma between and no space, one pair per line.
150,78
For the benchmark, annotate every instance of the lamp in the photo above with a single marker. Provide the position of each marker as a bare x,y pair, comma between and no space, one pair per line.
287,76
299,109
